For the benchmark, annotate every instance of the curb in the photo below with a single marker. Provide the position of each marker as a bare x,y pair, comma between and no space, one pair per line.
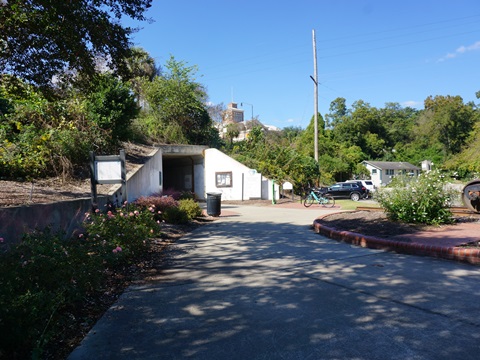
471,256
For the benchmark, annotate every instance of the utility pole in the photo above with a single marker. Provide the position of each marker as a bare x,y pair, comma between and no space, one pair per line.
315,80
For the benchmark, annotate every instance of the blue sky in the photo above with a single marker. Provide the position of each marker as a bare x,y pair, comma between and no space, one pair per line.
260,52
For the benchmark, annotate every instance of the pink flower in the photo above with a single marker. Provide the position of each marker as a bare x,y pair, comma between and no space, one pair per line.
2,240
117,249
97,210
80,235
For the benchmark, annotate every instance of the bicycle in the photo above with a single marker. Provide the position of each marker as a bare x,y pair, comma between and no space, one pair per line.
320,197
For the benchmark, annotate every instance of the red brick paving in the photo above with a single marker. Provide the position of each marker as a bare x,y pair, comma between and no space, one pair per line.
443,242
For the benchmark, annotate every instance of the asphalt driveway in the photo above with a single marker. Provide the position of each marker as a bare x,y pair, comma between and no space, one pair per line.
260,284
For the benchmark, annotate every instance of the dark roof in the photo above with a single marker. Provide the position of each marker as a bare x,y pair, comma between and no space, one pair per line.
383,165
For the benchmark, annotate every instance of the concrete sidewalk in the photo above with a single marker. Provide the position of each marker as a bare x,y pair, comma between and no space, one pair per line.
259,283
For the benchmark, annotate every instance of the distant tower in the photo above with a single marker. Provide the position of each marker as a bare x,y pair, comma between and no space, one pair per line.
233,115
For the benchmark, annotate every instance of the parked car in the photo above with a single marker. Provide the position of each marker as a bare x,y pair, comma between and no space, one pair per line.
352,190
367,183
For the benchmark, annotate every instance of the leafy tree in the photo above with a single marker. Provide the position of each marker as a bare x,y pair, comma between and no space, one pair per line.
176,107
40,38
142,68
216,112
338,109
43,137
291,133
232,132
39,137
362,127
449,120
467,162
112,108
305,142
270,153
398,122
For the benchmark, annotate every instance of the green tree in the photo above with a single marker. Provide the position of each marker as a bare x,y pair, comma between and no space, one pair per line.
291,133
40,137
362,127
232,132
112,108
449,120
305,142
338,109
176,109
467,161
399,123
143,69
39,38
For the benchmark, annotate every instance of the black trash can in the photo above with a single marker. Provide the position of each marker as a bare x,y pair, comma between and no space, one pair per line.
214,204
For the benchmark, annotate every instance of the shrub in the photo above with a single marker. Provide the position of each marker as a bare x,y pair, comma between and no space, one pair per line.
175,194
45,277
41,278
175,215
424,199
190,207
159,203
184,195
120,235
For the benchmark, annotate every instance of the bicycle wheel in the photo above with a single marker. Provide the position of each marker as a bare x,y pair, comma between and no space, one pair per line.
308,200
329,201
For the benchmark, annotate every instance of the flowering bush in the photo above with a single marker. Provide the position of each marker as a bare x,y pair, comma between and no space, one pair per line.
160,203
46,277
424,200
121,234
41,278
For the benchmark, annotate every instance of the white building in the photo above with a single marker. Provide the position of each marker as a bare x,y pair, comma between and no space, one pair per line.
382,172
201,170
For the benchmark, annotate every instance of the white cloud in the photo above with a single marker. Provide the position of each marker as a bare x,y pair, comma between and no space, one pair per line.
412,104
461,50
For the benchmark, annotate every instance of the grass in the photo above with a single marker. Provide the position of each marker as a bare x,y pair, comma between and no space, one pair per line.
352,205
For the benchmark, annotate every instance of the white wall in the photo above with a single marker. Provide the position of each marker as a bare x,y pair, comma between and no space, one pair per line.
145,180
376,178
216,161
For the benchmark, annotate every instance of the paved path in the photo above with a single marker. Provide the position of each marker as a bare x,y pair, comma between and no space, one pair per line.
260,284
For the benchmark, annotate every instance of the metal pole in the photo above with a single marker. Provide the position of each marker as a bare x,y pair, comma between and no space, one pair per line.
315,80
